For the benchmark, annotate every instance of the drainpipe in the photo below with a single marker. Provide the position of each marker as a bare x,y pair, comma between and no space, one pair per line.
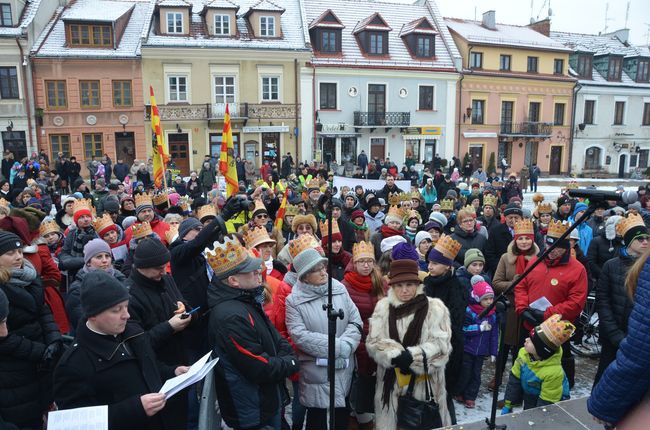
460,98
28,101
295,89
576,88
313,103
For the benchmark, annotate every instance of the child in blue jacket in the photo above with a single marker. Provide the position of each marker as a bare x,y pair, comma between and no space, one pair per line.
537,377
481,340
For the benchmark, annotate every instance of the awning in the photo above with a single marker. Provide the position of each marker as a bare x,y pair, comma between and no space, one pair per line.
420,136
470,134
338,134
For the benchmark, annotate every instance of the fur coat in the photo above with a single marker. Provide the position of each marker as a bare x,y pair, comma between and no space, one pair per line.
436,342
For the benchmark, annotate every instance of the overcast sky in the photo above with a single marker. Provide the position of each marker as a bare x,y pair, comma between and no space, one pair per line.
579,16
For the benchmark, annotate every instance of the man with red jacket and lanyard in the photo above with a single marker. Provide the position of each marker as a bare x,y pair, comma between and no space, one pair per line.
562,280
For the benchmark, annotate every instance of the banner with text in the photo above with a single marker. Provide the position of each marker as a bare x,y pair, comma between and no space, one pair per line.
368,184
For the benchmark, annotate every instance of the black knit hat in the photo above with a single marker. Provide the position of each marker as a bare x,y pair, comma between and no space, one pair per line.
101,291
150,253
4,306
9,242
513,209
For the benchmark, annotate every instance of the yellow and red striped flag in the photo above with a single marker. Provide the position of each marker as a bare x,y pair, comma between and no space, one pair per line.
279,216
160,154
227,158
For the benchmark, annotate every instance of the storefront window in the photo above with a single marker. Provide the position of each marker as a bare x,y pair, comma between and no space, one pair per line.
270,147
429,150
412,153
349,150
215,144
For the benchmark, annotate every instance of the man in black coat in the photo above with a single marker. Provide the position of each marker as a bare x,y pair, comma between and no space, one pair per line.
73,170
112,363
389,188
500,236
120,170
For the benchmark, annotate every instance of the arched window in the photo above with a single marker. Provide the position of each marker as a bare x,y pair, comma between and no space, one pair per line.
592,158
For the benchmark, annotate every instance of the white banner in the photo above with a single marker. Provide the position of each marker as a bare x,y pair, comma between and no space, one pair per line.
369,184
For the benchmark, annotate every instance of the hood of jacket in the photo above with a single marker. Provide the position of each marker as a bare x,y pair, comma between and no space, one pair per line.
379,217
303,293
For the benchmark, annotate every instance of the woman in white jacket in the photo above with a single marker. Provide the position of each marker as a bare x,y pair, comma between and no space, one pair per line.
307,326
403,325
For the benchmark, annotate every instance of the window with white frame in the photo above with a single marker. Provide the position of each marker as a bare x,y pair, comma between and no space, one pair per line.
222,25
224,89
270,88
177,86
175,22
267,26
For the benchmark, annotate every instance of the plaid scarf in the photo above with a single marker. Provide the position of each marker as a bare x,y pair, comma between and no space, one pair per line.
81,238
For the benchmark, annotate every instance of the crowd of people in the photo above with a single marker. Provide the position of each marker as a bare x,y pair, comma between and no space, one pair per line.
108,287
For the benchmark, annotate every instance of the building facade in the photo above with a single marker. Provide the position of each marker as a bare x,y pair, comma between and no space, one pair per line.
88,82
21,22
515,95
200,56
612,115
383,80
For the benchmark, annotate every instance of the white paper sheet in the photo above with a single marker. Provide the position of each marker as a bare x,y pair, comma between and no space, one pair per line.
196,372
541,304
90,418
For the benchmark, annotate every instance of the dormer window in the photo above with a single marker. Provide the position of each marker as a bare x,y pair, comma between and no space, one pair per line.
424,45
97,35
584,66
5,15
376,43
614,69
329,42
267,26
220,17
643,71
174,22
419,37
372,35
325,33
222,25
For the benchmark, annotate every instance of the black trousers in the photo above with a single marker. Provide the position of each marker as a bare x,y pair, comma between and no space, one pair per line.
317,418
470,376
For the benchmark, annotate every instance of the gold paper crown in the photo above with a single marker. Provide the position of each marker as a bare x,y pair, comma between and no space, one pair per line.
396,211
470,209
448,247
447,205
363,250
160,198
413,214
4,202
497,184
545,208
184,204
557,228
259,206
170,234
572,185
394,199
323,227
143,199
82,204
49,226
555,331
291,210
101,223
226,256
525,226
206,211
314,183
142,230
625,224
490,200
405,197
302,242
416,195
257,236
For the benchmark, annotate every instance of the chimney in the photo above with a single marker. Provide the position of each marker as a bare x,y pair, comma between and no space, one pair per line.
489,20
543,26
623,35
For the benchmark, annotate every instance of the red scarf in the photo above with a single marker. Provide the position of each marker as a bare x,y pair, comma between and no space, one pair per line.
358,282
477,308
521,264
390,232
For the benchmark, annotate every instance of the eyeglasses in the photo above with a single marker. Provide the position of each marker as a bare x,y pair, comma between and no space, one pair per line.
262,216
319,268
366,262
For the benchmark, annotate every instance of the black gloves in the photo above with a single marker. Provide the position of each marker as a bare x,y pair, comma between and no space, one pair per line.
51,355
233,206
403,361
533,316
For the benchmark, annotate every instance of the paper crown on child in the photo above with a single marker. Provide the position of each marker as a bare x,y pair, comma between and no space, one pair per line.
49,226
447,205
549,336
363,250
525,226
82,205
256,236
142,230
445,250
413,214
103,224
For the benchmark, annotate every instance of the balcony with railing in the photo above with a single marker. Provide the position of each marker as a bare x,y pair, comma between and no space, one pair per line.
382,119
236,110
215,111
526,128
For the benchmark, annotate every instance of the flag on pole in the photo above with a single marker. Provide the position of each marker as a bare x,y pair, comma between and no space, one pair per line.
227,157
279,216
160,154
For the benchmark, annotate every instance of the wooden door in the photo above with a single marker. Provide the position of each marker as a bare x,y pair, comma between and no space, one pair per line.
556,160
377,148
376,104
622,161
476,156
179,152
125,147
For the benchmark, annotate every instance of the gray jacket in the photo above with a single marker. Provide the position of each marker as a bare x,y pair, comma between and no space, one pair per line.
307,325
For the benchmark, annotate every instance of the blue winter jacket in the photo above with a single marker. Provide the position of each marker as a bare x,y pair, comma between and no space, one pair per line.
477,342
586,234
626,381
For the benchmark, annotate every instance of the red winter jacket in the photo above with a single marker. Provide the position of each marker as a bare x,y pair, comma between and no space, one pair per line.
565,286
159,227
279,310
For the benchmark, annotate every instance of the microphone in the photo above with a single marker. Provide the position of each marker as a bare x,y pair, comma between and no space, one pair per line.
626,197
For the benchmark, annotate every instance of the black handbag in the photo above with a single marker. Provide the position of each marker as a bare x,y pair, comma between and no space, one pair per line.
362,393
413,414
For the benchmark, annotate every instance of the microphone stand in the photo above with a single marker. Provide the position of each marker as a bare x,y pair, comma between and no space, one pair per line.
502,300
332,315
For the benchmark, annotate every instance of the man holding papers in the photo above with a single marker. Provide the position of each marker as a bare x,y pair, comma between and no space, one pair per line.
112,363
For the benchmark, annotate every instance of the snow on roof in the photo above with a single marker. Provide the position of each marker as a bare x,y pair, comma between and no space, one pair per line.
292,24
97,11
419,26
173,3
504,35
53,44
396,15
266,5
27,16
597,44
221,4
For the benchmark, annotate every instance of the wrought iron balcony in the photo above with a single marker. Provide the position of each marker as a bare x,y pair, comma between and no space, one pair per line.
179,112
236,110
526,128
273,111
211,111
382,119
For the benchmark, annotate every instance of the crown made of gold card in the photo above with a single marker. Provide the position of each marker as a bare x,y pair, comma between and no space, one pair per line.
82,204
302,242
206,211
324,227
363,250
497,184
416,195
470,209
171,234
4,202
48,226
525,226
226,256
557,228
102,222
257,236
490,200
447,205
314,183
625,224
572,185
394,199
160,198
396,211
545,208
448,247
143,199
291,210
142,230
413,214
259,206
